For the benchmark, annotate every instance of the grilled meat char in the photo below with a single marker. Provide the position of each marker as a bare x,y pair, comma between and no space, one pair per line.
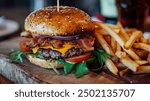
49,53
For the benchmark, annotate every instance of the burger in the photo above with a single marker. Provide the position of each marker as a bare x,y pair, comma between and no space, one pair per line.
58,39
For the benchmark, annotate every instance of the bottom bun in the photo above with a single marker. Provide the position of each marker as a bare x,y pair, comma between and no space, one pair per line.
43,63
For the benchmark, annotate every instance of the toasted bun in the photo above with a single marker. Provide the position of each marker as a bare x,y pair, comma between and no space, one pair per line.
43,63
68,21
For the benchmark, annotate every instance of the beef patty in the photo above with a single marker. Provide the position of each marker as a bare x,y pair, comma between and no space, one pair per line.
49,53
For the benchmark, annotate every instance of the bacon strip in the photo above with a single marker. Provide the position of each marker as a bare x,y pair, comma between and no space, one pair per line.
85,43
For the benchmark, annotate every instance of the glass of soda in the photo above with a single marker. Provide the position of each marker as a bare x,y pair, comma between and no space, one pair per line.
133,13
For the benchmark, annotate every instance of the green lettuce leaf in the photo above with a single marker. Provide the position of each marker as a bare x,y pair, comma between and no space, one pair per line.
101,55
68,66
81,69
16,55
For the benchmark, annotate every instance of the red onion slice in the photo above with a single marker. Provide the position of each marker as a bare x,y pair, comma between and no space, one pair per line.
75,37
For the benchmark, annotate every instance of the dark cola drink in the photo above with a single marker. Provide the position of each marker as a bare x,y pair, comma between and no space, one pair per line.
133,13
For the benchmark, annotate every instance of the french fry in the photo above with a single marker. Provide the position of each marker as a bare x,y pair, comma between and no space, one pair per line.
107,38
113,44
115,59
132,54
125,60
143,46
115,28
113,34
123,32
149,40
130,31
148,58
102,31
111,66
124,72
129,34
120,41
141,53
138,40
129,63
143,69
120,54
141,62
120,65
132,39
143,40
118,47
112,26
104,44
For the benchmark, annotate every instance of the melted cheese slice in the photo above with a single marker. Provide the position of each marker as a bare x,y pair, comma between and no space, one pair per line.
35,49
62,50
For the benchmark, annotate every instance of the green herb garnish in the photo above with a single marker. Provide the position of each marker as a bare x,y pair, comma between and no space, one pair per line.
101,55
16,55
80,68
68,66
54,69
36,55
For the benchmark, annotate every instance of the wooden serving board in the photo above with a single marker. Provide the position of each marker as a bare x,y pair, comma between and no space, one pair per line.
29,73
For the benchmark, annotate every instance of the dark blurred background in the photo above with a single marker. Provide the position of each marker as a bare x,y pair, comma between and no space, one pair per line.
18,9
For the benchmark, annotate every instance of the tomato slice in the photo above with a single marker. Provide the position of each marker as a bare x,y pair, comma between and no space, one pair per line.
23,46
79,58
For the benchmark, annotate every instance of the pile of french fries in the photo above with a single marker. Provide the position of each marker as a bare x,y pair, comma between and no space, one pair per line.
129,50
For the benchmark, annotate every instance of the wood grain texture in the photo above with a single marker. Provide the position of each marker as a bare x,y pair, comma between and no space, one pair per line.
4,80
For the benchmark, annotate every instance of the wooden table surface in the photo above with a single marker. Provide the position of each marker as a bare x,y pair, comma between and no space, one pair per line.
4,80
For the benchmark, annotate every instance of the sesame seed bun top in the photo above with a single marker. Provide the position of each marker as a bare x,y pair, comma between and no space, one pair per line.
68,21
